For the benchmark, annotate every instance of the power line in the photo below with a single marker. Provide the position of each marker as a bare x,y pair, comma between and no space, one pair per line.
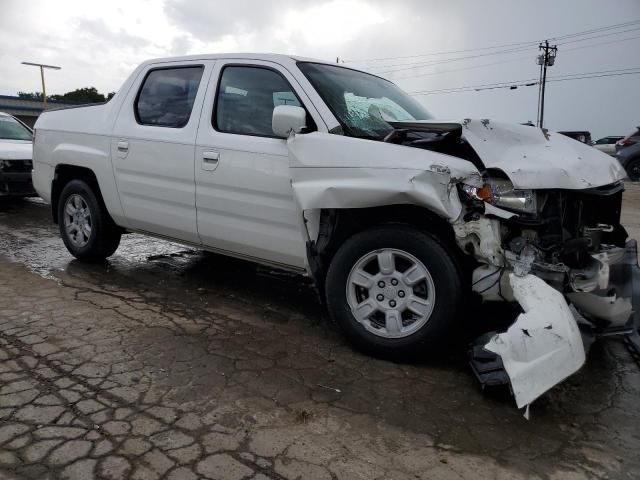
599,44
594,76
409,66
594,30
528,81
517,59
600,36
446,52
516,44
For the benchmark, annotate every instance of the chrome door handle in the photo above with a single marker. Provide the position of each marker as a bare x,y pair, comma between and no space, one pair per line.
123,146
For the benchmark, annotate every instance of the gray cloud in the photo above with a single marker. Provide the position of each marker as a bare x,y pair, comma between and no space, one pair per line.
97,29
207,20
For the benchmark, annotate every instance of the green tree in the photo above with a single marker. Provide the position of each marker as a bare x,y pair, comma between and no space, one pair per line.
83,95
79,95
31,95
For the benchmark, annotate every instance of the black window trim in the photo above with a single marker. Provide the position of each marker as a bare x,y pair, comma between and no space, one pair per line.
146,75
214,120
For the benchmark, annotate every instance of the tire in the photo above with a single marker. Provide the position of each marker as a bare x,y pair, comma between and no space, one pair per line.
410,335
633,170
102,237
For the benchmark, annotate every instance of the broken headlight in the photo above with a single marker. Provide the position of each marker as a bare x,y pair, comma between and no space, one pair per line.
501,193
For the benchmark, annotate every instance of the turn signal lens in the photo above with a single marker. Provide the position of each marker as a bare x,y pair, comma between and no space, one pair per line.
501,193
485,193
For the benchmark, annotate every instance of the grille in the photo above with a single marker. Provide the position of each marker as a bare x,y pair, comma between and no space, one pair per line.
16,166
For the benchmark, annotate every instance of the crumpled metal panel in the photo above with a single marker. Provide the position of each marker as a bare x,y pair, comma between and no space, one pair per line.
333,171
543,346
536,158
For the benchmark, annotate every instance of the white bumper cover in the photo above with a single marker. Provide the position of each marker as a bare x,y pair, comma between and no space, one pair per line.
543,346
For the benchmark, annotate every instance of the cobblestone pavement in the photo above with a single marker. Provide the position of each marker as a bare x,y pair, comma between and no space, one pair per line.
171,363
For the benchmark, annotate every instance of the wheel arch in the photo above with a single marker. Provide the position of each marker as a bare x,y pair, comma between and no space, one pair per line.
335,225
63,174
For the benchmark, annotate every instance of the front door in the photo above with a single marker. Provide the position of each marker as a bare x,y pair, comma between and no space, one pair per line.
244,197
153,148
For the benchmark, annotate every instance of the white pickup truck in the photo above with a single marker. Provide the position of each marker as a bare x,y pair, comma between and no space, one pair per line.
338,174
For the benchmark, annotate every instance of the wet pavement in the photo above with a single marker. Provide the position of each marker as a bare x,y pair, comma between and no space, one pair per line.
168,362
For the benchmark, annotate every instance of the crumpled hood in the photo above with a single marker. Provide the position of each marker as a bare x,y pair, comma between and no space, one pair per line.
535,158
15,150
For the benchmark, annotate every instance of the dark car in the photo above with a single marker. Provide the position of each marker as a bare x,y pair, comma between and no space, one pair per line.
16,149
629,158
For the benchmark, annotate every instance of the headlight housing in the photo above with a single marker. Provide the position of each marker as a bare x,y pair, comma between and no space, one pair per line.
501,193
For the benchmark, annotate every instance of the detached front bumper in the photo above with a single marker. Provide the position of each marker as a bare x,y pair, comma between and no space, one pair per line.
16,184
545,343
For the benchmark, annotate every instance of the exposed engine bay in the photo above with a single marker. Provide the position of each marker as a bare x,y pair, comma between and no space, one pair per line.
560,253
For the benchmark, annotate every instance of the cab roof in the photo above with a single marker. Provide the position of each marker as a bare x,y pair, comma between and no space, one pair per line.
267,57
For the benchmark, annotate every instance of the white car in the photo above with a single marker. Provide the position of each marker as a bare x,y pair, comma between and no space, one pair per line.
340,175
607,144
15,157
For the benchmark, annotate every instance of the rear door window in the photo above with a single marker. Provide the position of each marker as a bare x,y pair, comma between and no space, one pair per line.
167,95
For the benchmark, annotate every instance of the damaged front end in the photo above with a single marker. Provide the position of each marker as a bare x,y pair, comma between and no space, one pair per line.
545,231
539,213
564,257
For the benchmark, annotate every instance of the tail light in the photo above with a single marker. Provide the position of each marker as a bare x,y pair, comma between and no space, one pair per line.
625,142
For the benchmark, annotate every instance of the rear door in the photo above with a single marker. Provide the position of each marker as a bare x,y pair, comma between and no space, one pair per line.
153,147
243,184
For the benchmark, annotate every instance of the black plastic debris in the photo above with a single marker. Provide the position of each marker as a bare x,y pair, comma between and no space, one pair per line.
487,366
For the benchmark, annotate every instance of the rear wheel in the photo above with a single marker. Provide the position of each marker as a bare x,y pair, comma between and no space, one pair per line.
85,225
633,170
394,291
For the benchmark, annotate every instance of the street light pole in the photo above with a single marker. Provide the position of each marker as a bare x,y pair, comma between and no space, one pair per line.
42,67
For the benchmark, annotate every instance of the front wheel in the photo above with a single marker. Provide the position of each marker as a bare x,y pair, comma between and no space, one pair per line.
633,170
394,291
85,225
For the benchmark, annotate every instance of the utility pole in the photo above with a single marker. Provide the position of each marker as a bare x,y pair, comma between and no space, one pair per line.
42,67
545,59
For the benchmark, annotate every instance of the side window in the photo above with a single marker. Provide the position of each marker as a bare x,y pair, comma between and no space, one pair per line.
246,99
166,96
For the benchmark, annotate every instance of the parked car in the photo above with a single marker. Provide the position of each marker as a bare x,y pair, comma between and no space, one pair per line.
629,158
582,136
607,144
627,152
631,139
339,174
15,157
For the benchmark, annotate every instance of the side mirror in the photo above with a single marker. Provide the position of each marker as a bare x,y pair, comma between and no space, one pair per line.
288,118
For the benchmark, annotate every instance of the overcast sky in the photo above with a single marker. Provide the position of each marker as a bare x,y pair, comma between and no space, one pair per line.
98,43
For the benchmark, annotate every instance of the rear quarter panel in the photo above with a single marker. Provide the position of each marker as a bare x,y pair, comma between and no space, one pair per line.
80,137
92,151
